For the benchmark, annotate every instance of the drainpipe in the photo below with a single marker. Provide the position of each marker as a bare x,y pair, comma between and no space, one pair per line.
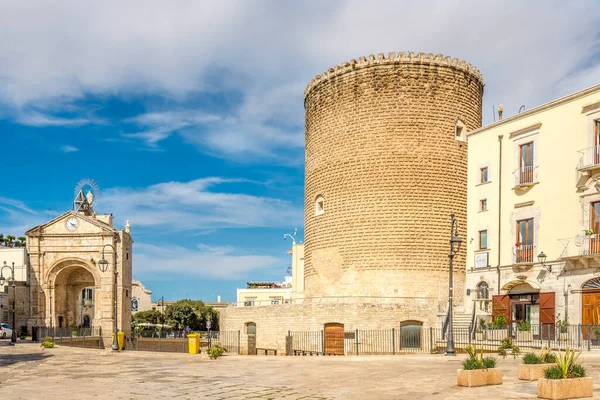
499,206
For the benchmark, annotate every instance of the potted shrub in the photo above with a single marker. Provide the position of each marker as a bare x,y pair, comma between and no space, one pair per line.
566,379
589,233
47,343
524,331
478,370
563,329
534,365
497,328
507,347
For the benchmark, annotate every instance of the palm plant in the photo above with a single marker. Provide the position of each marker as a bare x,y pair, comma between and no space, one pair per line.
9,240
22,241
566,361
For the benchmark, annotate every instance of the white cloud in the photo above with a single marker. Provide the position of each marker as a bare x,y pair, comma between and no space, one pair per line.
39,120
211,263
528,52
197,206
69,149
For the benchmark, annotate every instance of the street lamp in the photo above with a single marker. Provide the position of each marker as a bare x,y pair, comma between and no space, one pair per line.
13,337
455,242
103,265
542,259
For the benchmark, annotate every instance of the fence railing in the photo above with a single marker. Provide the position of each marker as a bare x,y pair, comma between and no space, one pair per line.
526,175
589,157
337,300
430,340
142,340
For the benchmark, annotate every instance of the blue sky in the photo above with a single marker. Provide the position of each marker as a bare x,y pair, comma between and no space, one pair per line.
189,114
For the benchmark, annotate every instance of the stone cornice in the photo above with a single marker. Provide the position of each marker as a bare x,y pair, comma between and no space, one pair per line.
393,58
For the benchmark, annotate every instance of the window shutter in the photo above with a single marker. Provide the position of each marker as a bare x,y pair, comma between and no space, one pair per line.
501,306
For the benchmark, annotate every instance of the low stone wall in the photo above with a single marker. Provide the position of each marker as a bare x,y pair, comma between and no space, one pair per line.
274,322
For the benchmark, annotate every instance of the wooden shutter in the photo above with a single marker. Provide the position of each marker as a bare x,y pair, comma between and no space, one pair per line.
501,306
547,309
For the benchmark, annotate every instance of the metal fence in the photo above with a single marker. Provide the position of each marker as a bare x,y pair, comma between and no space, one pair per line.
431,340
174,341
73,337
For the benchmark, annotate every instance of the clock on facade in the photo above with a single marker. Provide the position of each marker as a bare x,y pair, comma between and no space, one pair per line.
72,224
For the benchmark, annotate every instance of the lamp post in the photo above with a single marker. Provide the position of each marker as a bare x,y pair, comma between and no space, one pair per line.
13,337
103,265
455,242
542,259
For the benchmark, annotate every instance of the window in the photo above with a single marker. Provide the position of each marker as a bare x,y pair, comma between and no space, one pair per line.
526,163
86,294
524,244
274,302
483,205
460,131
483,290
483,175
320,206
483,240
250,328
248,303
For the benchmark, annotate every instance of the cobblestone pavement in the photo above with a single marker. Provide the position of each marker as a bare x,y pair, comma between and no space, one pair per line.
28,372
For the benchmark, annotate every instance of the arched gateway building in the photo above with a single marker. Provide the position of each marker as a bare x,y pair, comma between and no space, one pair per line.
67,287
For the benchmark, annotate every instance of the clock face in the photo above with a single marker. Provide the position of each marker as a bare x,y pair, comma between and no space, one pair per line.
72,224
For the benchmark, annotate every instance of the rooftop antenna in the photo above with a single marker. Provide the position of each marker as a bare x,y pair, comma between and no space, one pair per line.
522,108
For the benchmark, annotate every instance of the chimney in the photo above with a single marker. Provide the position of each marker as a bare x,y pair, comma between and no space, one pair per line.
500,109
218,299
127,227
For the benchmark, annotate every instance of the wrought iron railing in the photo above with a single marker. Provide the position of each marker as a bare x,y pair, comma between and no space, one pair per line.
589,157
526,175
337,300
524,254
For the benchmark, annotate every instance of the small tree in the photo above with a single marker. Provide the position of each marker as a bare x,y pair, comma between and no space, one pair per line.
22,240
9,240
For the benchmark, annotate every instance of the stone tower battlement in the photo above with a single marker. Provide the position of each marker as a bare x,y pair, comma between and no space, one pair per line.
386,165
427,60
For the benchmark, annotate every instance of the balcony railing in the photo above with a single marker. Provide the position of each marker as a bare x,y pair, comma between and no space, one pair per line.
581,246
524,254
589,158
525,176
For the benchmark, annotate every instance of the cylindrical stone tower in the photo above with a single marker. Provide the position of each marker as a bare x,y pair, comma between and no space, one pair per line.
386,165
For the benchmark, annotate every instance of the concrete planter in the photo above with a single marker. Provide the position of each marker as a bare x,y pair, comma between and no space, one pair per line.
497,334
479,377
480,336
532,372
563,337
525,336
565,388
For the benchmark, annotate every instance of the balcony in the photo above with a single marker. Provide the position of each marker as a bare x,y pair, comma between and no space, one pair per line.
589,159
526,177
581,249
524,254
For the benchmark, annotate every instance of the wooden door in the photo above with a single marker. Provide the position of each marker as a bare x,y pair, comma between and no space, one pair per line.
590,313
547,312
501,306
526,163
334,339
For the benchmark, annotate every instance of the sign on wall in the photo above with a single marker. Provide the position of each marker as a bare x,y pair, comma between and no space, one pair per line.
134,305
481,260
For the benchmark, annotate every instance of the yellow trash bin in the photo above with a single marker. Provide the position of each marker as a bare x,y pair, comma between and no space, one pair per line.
193,343
121,340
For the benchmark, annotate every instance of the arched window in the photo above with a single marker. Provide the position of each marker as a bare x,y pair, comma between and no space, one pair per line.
483,290
410,334
320,206
460,131
593,283
250,328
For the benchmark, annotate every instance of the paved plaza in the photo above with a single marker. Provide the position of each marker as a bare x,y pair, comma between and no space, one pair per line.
28,372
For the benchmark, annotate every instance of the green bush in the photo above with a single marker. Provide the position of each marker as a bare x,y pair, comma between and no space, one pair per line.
489,362
524,326
577,371
531,358
553,373
47,343
22,336
507,344
477,361
549,359
499,322
470,363
215,352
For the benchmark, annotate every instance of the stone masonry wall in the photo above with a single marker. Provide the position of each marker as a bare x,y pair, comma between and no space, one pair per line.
381,151
274,322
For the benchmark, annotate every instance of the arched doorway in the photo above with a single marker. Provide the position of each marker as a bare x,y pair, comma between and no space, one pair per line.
590,304
334,339
410,334
251,335
86,321
72,297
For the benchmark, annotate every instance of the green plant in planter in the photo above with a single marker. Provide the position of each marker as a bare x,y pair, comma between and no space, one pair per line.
507,344
477,361
545,357
22,336
563,325
215,352
524,326
47,343
499,322
482,323
531,358
589,232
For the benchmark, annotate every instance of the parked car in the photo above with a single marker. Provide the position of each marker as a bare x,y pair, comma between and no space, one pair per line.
5,330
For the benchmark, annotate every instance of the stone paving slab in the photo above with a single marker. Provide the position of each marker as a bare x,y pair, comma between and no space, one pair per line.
28,372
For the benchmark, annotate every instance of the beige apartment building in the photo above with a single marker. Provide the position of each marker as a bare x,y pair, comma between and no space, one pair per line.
533,231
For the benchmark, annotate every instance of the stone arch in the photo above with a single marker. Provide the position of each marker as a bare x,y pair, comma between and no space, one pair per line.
410,334
250,328
483,290
593,283
64,283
